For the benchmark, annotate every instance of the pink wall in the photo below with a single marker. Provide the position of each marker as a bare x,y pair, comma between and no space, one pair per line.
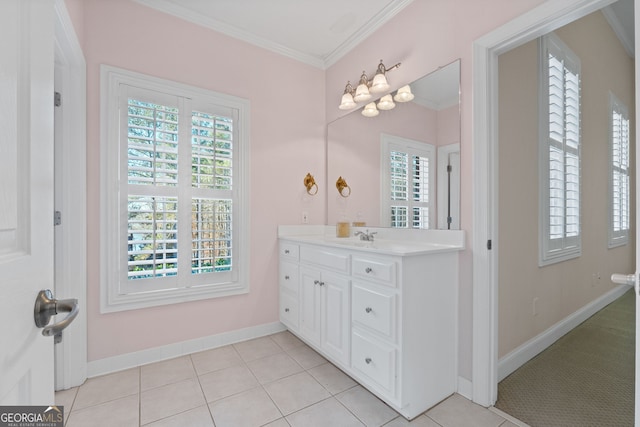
287,141
424,36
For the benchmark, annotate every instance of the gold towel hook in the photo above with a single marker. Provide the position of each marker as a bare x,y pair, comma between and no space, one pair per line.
341,185
310,183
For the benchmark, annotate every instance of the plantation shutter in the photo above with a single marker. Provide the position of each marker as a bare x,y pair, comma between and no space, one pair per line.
619,179
411,171
179,192
562,215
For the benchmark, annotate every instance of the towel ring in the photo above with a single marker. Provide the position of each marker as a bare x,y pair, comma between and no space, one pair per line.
341,185
310,183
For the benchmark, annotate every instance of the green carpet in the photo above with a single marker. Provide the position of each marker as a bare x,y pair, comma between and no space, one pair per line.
586,378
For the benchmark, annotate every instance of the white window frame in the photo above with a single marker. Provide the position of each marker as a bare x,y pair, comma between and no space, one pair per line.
619,237
390,143
115,294
568,247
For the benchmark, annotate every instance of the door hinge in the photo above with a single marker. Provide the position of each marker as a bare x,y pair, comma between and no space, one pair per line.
57,99
57,218
489,244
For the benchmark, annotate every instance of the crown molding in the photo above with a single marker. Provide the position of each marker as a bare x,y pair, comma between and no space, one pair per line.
322,63
617,28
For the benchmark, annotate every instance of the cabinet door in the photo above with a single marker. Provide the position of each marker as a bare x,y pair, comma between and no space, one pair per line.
310,304
335,316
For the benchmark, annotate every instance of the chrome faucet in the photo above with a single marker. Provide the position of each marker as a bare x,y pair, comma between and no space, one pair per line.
365,235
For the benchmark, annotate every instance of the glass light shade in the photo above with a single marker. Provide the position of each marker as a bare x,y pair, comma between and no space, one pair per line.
347,102
386,103
370,110
379,84
362,93
404,94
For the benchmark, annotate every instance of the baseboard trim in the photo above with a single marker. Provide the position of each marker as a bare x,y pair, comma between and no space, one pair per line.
131,360
465,388
534,346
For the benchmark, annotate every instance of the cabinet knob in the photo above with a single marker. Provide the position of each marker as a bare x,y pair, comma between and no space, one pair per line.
368,270
368,309
316,282
367,360
286,277
286,310
286,251
321,283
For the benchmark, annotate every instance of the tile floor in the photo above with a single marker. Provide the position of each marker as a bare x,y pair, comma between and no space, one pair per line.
274,381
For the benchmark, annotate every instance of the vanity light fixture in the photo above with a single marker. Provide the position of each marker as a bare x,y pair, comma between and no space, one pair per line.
370,110
365,87
386,103
404,94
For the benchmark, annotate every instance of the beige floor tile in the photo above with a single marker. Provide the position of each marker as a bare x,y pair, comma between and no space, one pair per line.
457,411
278,423
306,356
166,372
227,382
257,348
367,407
274,367
329,412
198,417
298,391
286,340
217,358
250,408
171,399
108,387
65,398
421,421
332,378
121,412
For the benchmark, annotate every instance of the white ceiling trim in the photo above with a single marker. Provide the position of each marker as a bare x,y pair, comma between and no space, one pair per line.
230,30
619,29
365,31
323,63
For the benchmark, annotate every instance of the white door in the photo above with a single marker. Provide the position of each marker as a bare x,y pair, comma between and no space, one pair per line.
26,198
334,311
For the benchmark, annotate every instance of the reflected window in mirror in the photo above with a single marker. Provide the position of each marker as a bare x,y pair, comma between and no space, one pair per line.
408,183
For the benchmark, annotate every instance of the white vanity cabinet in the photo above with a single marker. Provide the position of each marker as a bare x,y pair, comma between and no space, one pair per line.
387,320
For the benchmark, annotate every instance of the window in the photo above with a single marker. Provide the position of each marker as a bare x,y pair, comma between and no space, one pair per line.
560,234
619,180
408,185
174,192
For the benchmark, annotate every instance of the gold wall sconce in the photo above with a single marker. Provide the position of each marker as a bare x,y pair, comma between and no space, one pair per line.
310,184
343,188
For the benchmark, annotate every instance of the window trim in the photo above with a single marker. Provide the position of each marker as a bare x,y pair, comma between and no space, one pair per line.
111,300
618,238
547,254
387,143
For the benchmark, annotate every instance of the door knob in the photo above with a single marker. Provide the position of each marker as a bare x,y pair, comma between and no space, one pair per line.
47,306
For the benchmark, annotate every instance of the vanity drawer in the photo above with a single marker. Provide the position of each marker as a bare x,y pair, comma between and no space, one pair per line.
375,308
289,277
379,269
289,310
289,251
375,360
330,258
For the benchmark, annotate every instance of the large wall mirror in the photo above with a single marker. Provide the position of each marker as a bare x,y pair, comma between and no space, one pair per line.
402,167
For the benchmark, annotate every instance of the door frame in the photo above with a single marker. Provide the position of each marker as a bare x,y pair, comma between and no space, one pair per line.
545,18
70,247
